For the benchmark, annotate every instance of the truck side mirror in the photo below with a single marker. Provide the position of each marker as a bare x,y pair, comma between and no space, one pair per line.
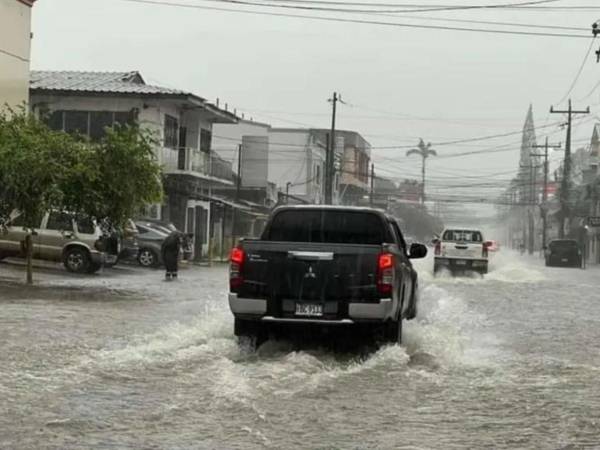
417,251
435,241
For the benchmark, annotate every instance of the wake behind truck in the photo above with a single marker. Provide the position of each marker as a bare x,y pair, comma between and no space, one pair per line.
322,267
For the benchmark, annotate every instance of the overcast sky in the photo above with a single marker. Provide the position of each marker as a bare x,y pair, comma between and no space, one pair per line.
400,83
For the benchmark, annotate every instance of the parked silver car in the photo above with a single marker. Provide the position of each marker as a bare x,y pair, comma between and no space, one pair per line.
149,240
77,242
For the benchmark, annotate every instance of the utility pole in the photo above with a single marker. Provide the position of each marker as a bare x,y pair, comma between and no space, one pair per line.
237,193
529,229
330,156
372,184
544,206
566,179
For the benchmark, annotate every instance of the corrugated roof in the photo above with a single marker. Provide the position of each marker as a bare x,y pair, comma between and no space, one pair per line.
98,82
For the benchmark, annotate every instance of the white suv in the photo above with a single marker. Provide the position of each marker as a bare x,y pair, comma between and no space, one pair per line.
461,250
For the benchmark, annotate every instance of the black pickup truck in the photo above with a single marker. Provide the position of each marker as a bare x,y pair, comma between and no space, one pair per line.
324,266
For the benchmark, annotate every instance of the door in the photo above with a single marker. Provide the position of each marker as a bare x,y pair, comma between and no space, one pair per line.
56,233
181,157
13,240
404,266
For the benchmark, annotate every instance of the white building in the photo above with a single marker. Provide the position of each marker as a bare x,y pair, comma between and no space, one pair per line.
88,102
291,159
15,45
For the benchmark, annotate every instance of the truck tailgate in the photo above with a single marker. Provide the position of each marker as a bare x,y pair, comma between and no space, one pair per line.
330,275
462,250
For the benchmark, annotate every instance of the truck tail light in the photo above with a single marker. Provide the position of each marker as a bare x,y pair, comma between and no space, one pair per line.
438,248
385,274
485,249
236,264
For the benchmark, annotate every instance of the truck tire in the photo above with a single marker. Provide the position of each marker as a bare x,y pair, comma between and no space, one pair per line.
411,313
392,331
250,334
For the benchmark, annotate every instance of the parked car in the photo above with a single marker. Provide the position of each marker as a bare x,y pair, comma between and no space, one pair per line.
76,241
149,240
322,267
563,252
461,250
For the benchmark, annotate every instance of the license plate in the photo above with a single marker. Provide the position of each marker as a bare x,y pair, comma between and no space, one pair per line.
565,260
307,309
461,262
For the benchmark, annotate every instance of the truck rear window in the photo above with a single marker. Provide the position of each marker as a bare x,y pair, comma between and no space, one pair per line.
462,236
335,227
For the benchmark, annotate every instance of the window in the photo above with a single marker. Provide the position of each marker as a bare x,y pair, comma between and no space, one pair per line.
55,121
171,132
398,233
88,123
99,120
336,227
85,225
462,236
77,122
205,140
60,221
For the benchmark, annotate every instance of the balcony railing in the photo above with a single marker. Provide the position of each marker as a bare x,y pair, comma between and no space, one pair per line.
195,161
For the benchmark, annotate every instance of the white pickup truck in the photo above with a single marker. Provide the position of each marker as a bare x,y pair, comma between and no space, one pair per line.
461,250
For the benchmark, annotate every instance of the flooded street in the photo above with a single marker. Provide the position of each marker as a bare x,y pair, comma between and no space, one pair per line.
124,360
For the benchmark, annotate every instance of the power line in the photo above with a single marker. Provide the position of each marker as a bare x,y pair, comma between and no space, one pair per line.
338,9
585,59
413,5
358,21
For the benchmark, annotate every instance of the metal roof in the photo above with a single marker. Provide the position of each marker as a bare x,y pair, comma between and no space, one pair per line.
98,82
115,84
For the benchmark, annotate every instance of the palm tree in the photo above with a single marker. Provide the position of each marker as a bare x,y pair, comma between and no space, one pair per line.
424,151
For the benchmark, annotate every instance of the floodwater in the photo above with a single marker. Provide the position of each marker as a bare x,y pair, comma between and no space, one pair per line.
124,360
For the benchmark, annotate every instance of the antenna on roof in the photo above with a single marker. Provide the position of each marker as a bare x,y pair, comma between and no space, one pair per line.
226,106
235,111
217,102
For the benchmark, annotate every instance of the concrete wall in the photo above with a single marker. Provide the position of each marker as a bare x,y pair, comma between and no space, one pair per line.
15,42
227,137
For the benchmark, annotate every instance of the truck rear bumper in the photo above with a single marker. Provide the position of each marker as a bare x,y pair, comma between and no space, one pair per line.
356,311
252,306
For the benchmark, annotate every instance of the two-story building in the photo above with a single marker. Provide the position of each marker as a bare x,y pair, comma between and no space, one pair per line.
15,49
181,122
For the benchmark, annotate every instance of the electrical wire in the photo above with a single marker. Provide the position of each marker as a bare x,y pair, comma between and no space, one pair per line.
344,10
358,21
578,74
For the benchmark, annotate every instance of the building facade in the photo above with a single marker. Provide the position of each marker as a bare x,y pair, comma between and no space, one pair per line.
15,50
289,161
181,123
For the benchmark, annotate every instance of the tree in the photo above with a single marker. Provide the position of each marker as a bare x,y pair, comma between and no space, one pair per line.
34,161
119,176
424,151
42,170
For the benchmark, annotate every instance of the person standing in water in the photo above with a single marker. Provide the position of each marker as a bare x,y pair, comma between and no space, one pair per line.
170,253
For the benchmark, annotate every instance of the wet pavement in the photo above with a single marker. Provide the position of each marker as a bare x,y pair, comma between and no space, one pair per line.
122,359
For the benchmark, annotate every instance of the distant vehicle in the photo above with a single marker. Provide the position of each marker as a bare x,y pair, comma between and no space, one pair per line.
563,252
322,267
76,241
461,250
493,246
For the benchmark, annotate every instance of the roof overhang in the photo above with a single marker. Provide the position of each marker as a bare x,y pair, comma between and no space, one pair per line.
192,101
